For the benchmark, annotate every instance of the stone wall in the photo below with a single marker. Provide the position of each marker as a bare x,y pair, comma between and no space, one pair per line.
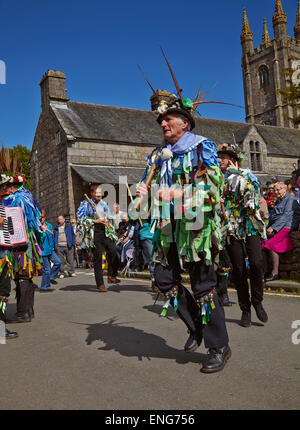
289,267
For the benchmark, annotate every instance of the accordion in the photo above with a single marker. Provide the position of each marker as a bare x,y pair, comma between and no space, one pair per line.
13,232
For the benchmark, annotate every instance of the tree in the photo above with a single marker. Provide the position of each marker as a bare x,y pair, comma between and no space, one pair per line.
292,93
14,160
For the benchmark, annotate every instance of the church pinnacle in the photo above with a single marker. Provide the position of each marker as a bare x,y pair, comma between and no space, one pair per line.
266,38
279,15
246,36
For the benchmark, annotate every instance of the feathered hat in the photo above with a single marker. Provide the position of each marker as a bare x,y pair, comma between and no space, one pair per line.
178,104
232,150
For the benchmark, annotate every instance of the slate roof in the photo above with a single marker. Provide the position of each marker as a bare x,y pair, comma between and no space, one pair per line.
108,123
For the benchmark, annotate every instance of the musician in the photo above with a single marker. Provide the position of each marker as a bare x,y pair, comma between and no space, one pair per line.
245,229
26,261
187,230
48,255
5,269
98,236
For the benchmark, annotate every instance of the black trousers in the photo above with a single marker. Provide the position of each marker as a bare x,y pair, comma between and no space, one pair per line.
5,288
238,250
24,292
203,280
104,245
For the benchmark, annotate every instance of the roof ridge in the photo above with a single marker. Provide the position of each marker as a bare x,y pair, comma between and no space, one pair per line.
108,106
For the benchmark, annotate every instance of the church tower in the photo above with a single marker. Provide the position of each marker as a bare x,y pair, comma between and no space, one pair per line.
263,69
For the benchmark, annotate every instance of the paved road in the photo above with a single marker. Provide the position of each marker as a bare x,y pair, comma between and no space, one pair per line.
91,350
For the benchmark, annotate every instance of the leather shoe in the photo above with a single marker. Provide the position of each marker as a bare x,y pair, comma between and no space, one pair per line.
193,342
217,359
20,318
271,277
46,290
102,288
261,313
112,280
225,300
54,282
154,287
246,319
10,334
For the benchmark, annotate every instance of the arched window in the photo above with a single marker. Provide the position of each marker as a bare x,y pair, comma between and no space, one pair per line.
264,79
255,156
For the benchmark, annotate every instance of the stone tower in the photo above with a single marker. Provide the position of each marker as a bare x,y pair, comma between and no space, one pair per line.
263,66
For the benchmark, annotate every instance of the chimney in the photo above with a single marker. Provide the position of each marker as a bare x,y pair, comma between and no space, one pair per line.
160,95
53,88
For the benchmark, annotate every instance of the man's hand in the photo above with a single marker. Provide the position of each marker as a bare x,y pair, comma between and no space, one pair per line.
99,221
233,165
141,190
167,194
269,231
2,220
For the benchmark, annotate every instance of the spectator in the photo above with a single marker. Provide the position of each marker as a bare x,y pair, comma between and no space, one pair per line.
126,239
64,243
145,241
263,207
270,193
284,218
117,216
296,183
48,273
290,188
77,239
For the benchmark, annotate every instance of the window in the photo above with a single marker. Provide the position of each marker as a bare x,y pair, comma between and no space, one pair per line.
255,156
58,138
264,79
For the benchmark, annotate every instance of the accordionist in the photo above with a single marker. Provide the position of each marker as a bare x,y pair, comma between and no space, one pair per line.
24,262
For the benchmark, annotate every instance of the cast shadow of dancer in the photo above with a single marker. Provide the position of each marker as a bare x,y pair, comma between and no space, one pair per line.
133,342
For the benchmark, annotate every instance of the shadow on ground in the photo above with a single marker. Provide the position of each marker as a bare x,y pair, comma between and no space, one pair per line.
133,342
230,320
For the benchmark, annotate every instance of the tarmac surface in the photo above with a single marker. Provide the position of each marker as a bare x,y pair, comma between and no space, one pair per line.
86,350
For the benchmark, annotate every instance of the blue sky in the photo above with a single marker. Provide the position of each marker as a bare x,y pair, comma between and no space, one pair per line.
98,43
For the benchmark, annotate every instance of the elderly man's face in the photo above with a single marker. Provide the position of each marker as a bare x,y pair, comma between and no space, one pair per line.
173,127
97,194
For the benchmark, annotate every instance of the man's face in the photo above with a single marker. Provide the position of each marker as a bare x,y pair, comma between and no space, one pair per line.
224,160
61,220
173,127
97,194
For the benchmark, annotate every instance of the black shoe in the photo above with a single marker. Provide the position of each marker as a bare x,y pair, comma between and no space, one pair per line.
54,282
31,313
225,300
216,360
271,277
246,319
193,342
46,290
10,334
261,313
20,318
154,287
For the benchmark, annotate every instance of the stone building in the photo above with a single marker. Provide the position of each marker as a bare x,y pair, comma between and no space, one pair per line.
76,144
263,70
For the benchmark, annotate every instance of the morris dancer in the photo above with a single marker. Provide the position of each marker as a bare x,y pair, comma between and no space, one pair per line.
98,235
192,239
25,261
5,269
245,229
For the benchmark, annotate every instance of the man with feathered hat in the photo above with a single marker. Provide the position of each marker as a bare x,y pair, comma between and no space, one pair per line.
186,186
5,268
244,231
24,262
